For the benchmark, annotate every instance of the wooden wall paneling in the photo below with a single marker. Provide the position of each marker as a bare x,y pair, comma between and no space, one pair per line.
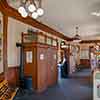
12,75
52,66
85,62
41,69
49,67
1,77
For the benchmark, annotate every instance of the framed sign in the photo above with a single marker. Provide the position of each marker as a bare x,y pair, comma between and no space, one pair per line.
29,57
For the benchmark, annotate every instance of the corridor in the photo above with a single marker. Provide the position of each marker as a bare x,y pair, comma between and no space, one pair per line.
77,87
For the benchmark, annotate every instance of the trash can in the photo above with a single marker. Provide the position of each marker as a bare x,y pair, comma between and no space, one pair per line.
28,82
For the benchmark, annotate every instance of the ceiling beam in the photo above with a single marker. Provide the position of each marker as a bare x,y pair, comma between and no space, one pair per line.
90,41
11,12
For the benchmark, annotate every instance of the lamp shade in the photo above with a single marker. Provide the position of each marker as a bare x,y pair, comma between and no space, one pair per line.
76,38
31,8
40,11
24,14
34,15
21,9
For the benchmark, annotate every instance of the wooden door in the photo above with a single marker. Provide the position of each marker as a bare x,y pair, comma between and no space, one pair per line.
28,61
30,64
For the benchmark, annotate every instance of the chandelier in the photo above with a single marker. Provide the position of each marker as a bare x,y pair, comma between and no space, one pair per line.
31,8
77,37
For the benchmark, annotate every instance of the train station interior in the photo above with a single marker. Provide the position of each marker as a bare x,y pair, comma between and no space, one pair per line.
49,49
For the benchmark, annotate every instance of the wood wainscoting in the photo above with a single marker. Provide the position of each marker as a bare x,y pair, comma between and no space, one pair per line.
85,62
1,77
12,75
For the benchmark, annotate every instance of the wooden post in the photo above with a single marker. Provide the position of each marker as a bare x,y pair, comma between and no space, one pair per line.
5,25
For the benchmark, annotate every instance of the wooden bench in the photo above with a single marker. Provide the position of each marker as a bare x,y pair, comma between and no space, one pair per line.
6,92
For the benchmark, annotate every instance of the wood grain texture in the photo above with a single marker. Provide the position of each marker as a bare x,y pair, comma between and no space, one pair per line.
2,77
39,67
5,30
12,75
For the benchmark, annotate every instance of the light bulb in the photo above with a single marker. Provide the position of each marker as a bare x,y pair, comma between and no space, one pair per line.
34,15
21,9
31,8
93,13
40,11
24,14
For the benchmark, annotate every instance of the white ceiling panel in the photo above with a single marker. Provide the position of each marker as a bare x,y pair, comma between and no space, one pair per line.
65,15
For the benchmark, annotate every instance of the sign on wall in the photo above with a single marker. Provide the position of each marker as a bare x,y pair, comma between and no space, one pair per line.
29,57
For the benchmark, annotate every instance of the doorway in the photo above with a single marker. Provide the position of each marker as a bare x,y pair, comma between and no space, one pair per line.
63,66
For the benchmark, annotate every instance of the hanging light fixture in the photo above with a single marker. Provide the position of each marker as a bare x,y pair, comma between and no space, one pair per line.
31,8
77,37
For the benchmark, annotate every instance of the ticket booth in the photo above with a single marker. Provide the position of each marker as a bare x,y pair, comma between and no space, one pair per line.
40,60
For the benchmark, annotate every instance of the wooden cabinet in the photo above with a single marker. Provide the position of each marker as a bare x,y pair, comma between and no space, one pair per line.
40,59
41,65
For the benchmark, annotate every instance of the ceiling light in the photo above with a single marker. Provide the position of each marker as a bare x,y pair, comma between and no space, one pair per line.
98,14
21,9
34,15
31,8
95,13
24,14
77,37
40,11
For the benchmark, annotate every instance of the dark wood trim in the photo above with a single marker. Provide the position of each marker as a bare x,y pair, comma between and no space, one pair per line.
86,41
85,62
90,41
11,12
2,73
1,77
5,26
23,35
